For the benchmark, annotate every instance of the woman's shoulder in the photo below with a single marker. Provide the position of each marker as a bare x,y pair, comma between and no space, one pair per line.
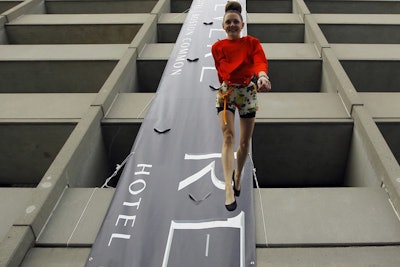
220,42
251,39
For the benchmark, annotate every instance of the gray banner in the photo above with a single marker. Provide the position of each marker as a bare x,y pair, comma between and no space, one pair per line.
168,208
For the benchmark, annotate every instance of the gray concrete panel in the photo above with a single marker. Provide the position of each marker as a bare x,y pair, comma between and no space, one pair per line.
12,202
353,7
14,246
373,75
56,257
80,162
388,256
129,106
386,52
98,7
8,4
303,153
156,51
150,73
321,216
75,29
119,136
79,214
3,34
380,156
362,29
300,106
364,147
382,105
390,131
25,7
178,6
28,149
54,76
274,6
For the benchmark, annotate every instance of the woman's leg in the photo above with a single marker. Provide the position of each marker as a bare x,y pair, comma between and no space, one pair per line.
227,157
246,132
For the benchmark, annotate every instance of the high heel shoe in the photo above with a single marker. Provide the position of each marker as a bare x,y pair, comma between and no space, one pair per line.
232,206
237,192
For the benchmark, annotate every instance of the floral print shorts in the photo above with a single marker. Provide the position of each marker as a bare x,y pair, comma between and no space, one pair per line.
242,98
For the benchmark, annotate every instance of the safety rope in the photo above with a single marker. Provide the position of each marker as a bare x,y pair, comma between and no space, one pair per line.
260,199
117,168
225,96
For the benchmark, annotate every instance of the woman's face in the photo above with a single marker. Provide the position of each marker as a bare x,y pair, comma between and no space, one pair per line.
232,25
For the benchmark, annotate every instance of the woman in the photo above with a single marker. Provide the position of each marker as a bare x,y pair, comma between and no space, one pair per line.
237,60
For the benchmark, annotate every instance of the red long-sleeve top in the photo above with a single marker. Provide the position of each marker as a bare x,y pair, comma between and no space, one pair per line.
238,60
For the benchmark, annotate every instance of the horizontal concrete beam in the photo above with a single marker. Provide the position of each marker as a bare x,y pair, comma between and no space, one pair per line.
276,106
325,217
354,6
39,257
73,52
357,19
388,111
362,52
329,256
295,106
43,108
299,257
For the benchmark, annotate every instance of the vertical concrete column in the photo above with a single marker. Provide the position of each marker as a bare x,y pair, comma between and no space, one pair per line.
15,245
3,34
334,76
122,79
313,34
147,33
162,6
299,7
26,7
67,168
381,157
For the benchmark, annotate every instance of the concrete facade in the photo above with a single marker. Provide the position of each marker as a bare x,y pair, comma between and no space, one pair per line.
76,80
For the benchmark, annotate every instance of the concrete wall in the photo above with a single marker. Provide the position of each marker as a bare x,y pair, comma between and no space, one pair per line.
75,87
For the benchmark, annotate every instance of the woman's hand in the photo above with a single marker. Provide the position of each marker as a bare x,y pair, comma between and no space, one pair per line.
264,85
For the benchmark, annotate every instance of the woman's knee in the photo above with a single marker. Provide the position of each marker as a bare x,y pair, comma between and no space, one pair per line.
228,136
244,145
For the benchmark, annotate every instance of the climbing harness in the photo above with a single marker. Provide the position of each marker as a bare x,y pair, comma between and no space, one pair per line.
225,91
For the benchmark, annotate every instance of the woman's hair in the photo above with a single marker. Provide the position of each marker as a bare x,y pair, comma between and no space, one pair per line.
234,7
